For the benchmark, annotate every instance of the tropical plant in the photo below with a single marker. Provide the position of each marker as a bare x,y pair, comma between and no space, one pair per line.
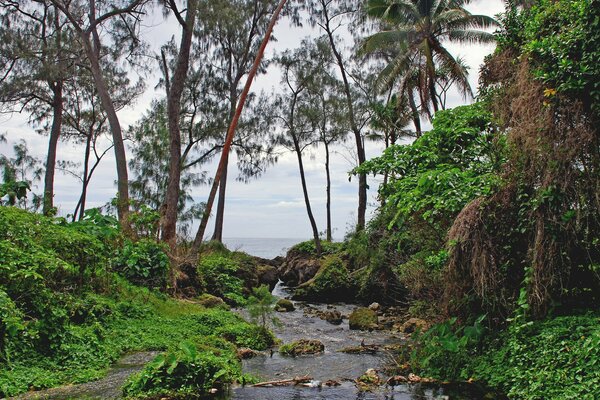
412,35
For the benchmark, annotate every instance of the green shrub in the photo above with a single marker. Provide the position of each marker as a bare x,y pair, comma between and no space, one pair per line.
216,275
261,305
308,248
445,348
144,263
192,370
558,358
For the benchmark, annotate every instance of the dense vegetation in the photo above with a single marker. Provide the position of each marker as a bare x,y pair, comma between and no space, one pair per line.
69,306
488,225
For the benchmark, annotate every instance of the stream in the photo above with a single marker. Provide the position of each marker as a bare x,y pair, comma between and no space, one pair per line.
330,365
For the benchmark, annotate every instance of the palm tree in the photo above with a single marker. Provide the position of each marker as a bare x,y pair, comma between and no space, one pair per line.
412,42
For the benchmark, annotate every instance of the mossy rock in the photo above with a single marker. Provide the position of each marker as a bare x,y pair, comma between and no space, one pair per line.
284,305
302,346
363,319
210,301
331,283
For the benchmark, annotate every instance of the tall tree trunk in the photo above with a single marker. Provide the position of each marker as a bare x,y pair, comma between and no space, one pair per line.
218,233
115,128
220,217
231,132
57,117
415,113
328,190
311,217
360,149
176,86
80,208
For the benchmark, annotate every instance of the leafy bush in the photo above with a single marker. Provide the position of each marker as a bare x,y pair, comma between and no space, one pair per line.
216,275
308,248
445,348
144,263
561,38
192,370
558,358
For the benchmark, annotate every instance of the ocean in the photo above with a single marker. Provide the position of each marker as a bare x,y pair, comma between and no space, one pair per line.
262,247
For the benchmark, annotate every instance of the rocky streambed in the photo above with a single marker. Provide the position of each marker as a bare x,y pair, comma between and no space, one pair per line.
329,374
348,354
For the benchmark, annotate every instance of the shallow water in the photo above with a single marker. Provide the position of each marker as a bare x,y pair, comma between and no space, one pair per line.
330,365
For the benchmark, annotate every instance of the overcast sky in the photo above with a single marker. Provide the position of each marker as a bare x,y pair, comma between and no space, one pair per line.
272,206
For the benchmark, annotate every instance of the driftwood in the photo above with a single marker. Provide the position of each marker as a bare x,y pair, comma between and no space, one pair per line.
284,382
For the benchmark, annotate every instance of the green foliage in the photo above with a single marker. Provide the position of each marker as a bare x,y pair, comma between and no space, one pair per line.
438,174
261,305
308,248
554,359
331,283
561,38
144,263
445,348
191,370
216,275
65,319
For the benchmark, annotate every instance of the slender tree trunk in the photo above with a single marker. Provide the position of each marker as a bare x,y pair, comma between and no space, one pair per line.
220,217
57,110
415,113
360,149
218,233
231,132
311,217
328,173
80,208
115,128
176,86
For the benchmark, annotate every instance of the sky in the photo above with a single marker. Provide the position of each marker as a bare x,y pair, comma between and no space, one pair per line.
271,206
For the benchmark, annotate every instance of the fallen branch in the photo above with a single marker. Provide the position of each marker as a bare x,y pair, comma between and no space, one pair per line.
293,381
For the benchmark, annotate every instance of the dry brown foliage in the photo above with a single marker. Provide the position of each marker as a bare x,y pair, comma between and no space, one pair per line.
548,212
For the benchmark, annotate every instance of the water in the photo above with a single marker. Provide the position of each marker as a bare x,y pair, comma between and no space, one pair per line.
262,247
330,365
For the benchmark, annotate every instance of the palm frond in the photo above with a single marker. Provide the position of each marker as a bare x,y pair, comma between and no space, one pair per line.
470,36
386,40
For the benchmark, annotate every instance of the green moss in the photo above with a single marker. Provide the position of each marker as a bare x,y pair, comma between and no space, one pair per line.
210,301
363,319
302,346
284,305
331,283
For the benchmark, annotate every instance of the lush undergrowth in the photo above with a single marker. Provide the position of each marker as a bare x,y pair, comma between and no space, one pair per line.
556,358
66,315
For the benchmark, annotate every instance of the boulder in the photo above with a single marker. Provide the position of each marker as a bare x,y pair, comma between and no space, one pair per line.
302,346
331,283
267,275
245,353
332,316
210,301
375,306
413,325
284,305
363,319
298,269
